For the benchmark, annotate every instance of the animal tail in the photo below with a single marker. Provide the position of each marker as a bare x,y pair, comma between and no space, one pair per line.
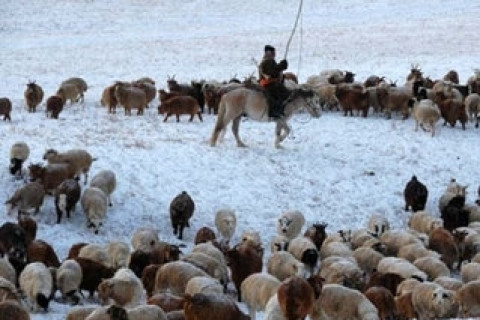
219,124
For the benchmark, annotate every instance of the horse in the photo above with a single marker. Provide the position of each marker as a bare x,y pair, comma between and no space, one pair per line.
254,104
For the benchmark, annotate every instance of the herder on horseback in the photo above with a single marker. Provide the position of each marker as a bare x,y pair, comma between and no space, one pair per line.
271,79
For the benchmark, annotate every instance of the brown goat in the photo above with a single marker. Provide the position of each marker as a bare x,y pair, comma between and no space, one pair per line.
212,307
5,108
33,96
148,278
29,225
180,105
296,297
50,176
453,110
167,301
383,300
41,251
204,234
353,98
93,273
443,242
54,106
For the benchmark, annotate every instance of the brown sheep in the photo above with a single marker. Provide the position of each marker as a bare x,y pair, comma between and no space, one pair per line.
54,106
33,96
404,306
29,225
93,273
51,175
5,108
75,249
180,105
383,300
164,253
212,307
317,234
243,260
41,251
443,242
415,194
453,110
193,90
148,88
109,99
353,98
452,76
397,100
12,310
167,301
296,297
148,278
204,234
69,91
164,95
181,210
389,281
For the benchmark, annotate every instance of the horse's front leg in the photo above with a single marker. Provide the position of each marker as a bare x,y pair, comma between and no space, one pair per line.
282,131
235,126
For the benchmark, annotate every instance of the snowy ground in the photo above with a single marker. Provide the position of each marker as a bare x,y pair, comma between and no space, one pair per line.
324,168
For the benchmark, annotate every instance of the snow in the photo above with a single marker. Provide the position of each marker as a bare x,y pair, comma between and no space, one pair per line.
335,169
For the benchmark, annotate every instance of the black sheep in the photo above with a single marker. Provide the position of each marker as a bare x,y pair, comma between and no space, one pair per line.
415,194
181,210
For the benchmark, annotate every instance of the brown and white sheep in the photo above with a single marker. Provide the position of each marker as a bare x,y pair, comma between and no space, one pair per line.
92,274
204,234
296,297
174,276
67,194
431,301
50,176
130,98
95,252
401,267
124,288
256,290
19,152
303,249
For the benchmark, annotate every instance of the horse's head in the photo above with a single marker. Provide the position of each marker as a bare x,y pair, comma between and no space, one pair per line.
312,101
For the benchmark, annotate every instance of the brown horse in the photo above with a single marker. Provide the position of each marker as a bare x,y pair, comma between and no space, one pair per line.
254,104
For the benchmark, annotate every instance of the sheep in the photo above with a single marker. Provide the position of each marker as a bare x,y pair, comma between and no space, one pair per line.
100,313
401,267
19,152
130,98
290,224
332,305
5,108
209,249
468,297
407,286
205,285
8,290
317,234
80,85
204,234
95,253
449,283
335,249
41,251
92,274
344,236
33,95
395,239
454,215
181,210
68,279
412,252
443,242
226,222
283,264
50,176
431,301
36,283
13,310
472,106
397,100
125,289
118,254
146,312
361,236
75,250
404,306
145,239
67,194
343,271
215,268
432,266
94,203
54,106
108,99
326,94
256,290
148,277
451,111
423,222
244,259
452,76
415,194
180,105
69,92
194,90
303,249
383,300
167,301
470,272
252,236
106,181
377,97
296,298
29,196
378,225
148,87
212,307
80,313
79,160
29,225
367,258
353,97
473,212
174,276
390,281
7,271
425,112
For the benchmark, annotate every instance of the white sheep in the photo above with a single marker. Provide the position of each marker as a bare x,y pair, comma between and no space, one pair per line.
124,288
414,251
472,106
367,258
79,160
145,239
423,222
473,212
279,243
395,239
273,311
470,272
360,236
118,253
36,283
100,313
339,302
303,249
407,286
106,181
340,236
94,203
432,266
425,112
334,248
215,268
378,224
146,312
257,289
449,283
19,152
226,222
342,270
68,279
400,267
290,224
209,249
282,264
175,275
80,313
96,253
432,301
468,298
7,271
29,196
205,285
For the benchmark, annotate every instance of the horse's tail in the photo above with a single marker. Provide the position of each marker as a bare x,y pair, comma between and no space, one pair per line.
219,124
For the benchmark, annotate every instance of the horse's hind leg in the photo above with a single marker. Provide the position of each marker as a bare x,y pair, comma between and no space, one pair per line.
235,126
